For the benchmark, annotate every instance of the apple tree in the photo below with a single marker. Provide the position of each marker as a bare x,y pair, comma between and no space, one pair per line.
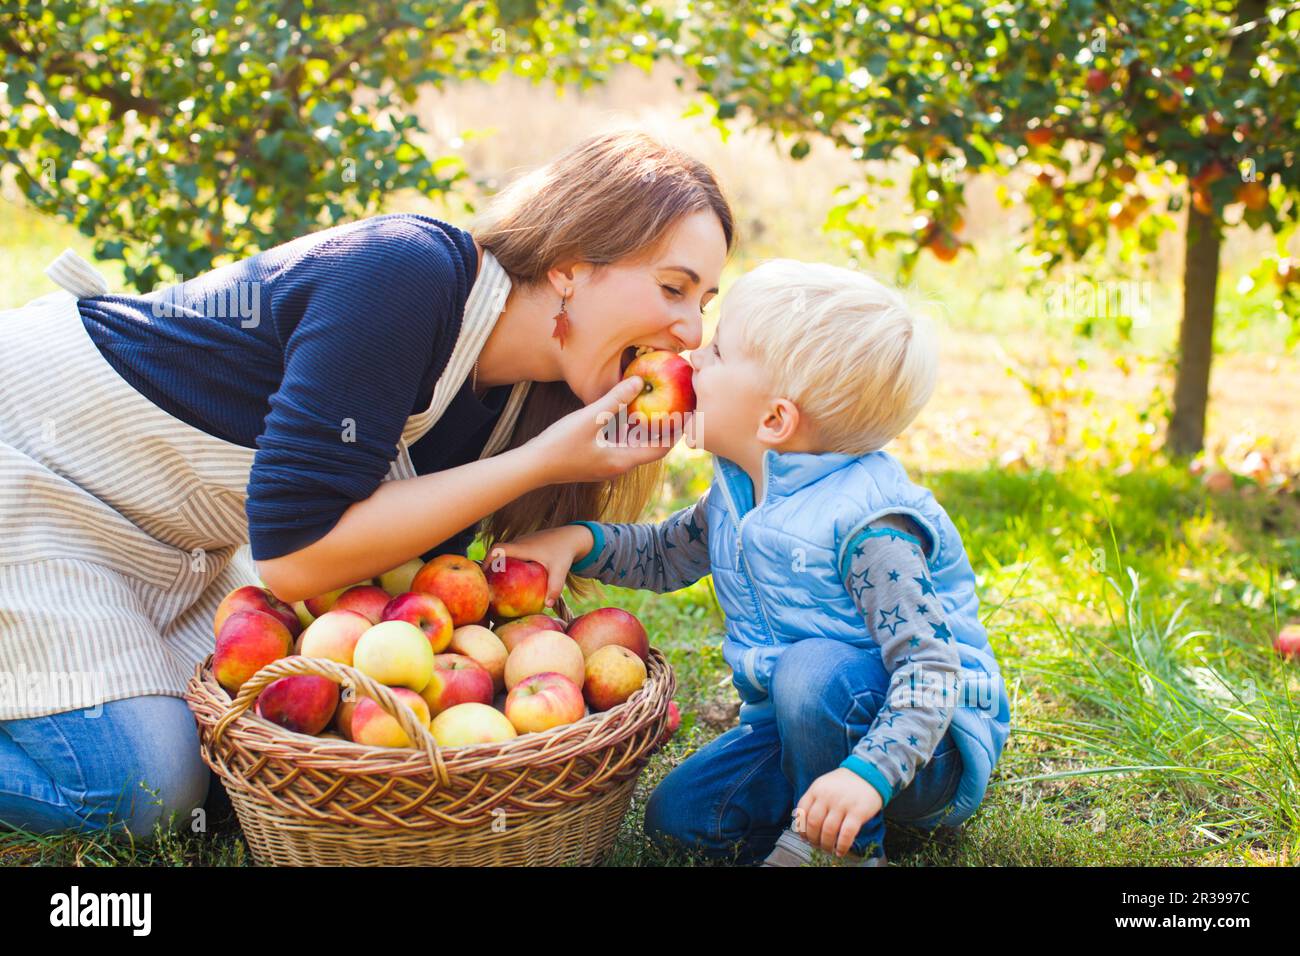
180,134
1104,106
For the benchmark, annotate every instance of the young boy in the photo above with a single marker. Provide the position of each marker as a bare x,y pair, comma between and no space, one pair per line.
867,683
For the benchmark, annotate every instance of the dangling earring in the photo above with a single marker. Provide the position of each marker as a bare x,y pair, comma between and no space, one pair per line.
562,320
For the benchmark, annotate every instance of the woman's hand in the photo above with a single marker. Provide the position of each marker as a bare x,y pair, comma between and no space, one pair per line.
589,445
554,548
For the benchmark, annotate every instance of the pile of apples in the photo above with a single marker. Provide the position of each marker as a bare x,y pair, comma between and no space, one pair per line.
423,631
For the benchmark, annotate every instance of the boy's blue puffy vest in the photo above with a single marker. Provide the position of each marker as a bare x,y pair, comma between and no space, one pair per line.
778,570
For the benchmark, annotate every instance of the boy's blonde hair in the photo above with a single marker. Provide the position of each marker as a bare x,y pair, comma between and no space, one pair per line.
848,350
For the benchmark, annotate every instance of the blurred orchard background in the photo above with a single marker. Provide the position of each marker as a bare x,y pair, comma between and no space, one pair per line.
1098,201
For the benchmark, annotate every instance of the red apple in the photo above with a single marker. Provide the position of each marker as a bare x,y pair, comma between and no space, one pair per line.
249,640
517,587
459,583
610,625
674,719
668,394
252,598
613,674
426,612
367,599
302,703
456,680
1287,643
1097,80
541,652
334,635
542,702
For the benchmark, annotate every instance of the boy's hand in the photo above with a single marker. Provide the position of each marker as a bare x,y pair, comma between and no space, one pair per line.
835,807
555,548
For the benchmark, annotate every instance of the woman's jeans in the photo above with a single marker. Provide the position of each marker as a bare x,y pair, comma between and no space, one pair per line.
128,764
736,794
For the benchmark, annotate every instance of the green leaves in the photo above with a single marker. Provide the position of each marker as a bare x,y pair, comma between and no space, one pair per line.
184,135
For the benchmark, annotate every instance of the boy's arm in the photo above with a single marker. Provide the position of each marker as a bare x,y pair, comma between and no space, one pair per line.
890,583
654,557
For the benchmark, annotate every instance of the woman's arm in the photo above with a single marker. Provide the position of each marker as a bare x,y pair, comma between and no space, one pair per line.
403,519
400,520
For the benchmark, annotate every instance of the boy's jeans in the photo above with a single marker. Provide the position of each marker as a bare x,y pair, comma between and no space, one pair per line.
737,794
128,764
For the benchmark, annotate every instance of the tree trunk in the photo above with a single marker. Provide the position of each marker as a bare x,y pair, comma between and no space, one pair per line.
1186,435
1196,335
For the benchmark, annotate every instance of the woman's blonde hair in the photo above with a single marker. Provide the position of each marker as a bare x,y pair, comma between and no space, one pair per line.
613,197
850,351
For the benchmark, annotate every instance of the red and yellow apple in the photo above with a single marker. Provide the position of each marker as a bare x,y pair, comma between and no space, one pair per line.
541,652
248,641
252,598
398,580
375,727
367,599
471,723
395,653
343,717
426,612
456,680
334,636
610,625
613,674
542,620
516,587
459,583
482,646
318,605
303,703
667,394
543,701
512,632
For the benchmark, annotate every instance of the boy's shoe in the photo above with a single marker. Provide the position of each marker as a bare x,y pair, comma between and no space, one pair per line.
791,850
849,859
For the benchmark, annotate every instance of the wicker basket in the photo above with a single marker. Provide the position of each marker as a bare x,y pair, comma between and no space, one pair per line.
550,798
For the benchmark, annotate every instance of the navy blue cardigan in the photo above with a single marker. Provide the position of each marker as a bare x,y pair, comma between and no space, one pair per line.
280,351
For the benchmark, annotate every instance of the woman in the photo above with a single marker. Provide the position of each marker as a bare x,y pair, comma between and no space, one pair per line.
342,403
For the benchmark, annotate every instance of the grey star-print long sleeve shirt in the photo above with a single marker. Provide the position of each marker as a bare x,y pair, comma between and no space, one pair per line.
890,584
653,557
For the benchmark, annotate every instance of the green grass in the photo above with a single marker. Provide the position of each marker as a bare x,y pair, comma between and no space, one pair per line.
1132,615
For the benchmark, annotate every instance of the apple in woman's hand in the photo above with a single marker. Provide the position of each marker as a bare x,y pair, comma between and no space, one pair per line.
668,394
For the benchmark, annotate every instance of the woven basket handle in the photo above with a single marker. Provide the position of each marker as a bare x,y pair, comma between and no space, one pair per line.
562,611
350,679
